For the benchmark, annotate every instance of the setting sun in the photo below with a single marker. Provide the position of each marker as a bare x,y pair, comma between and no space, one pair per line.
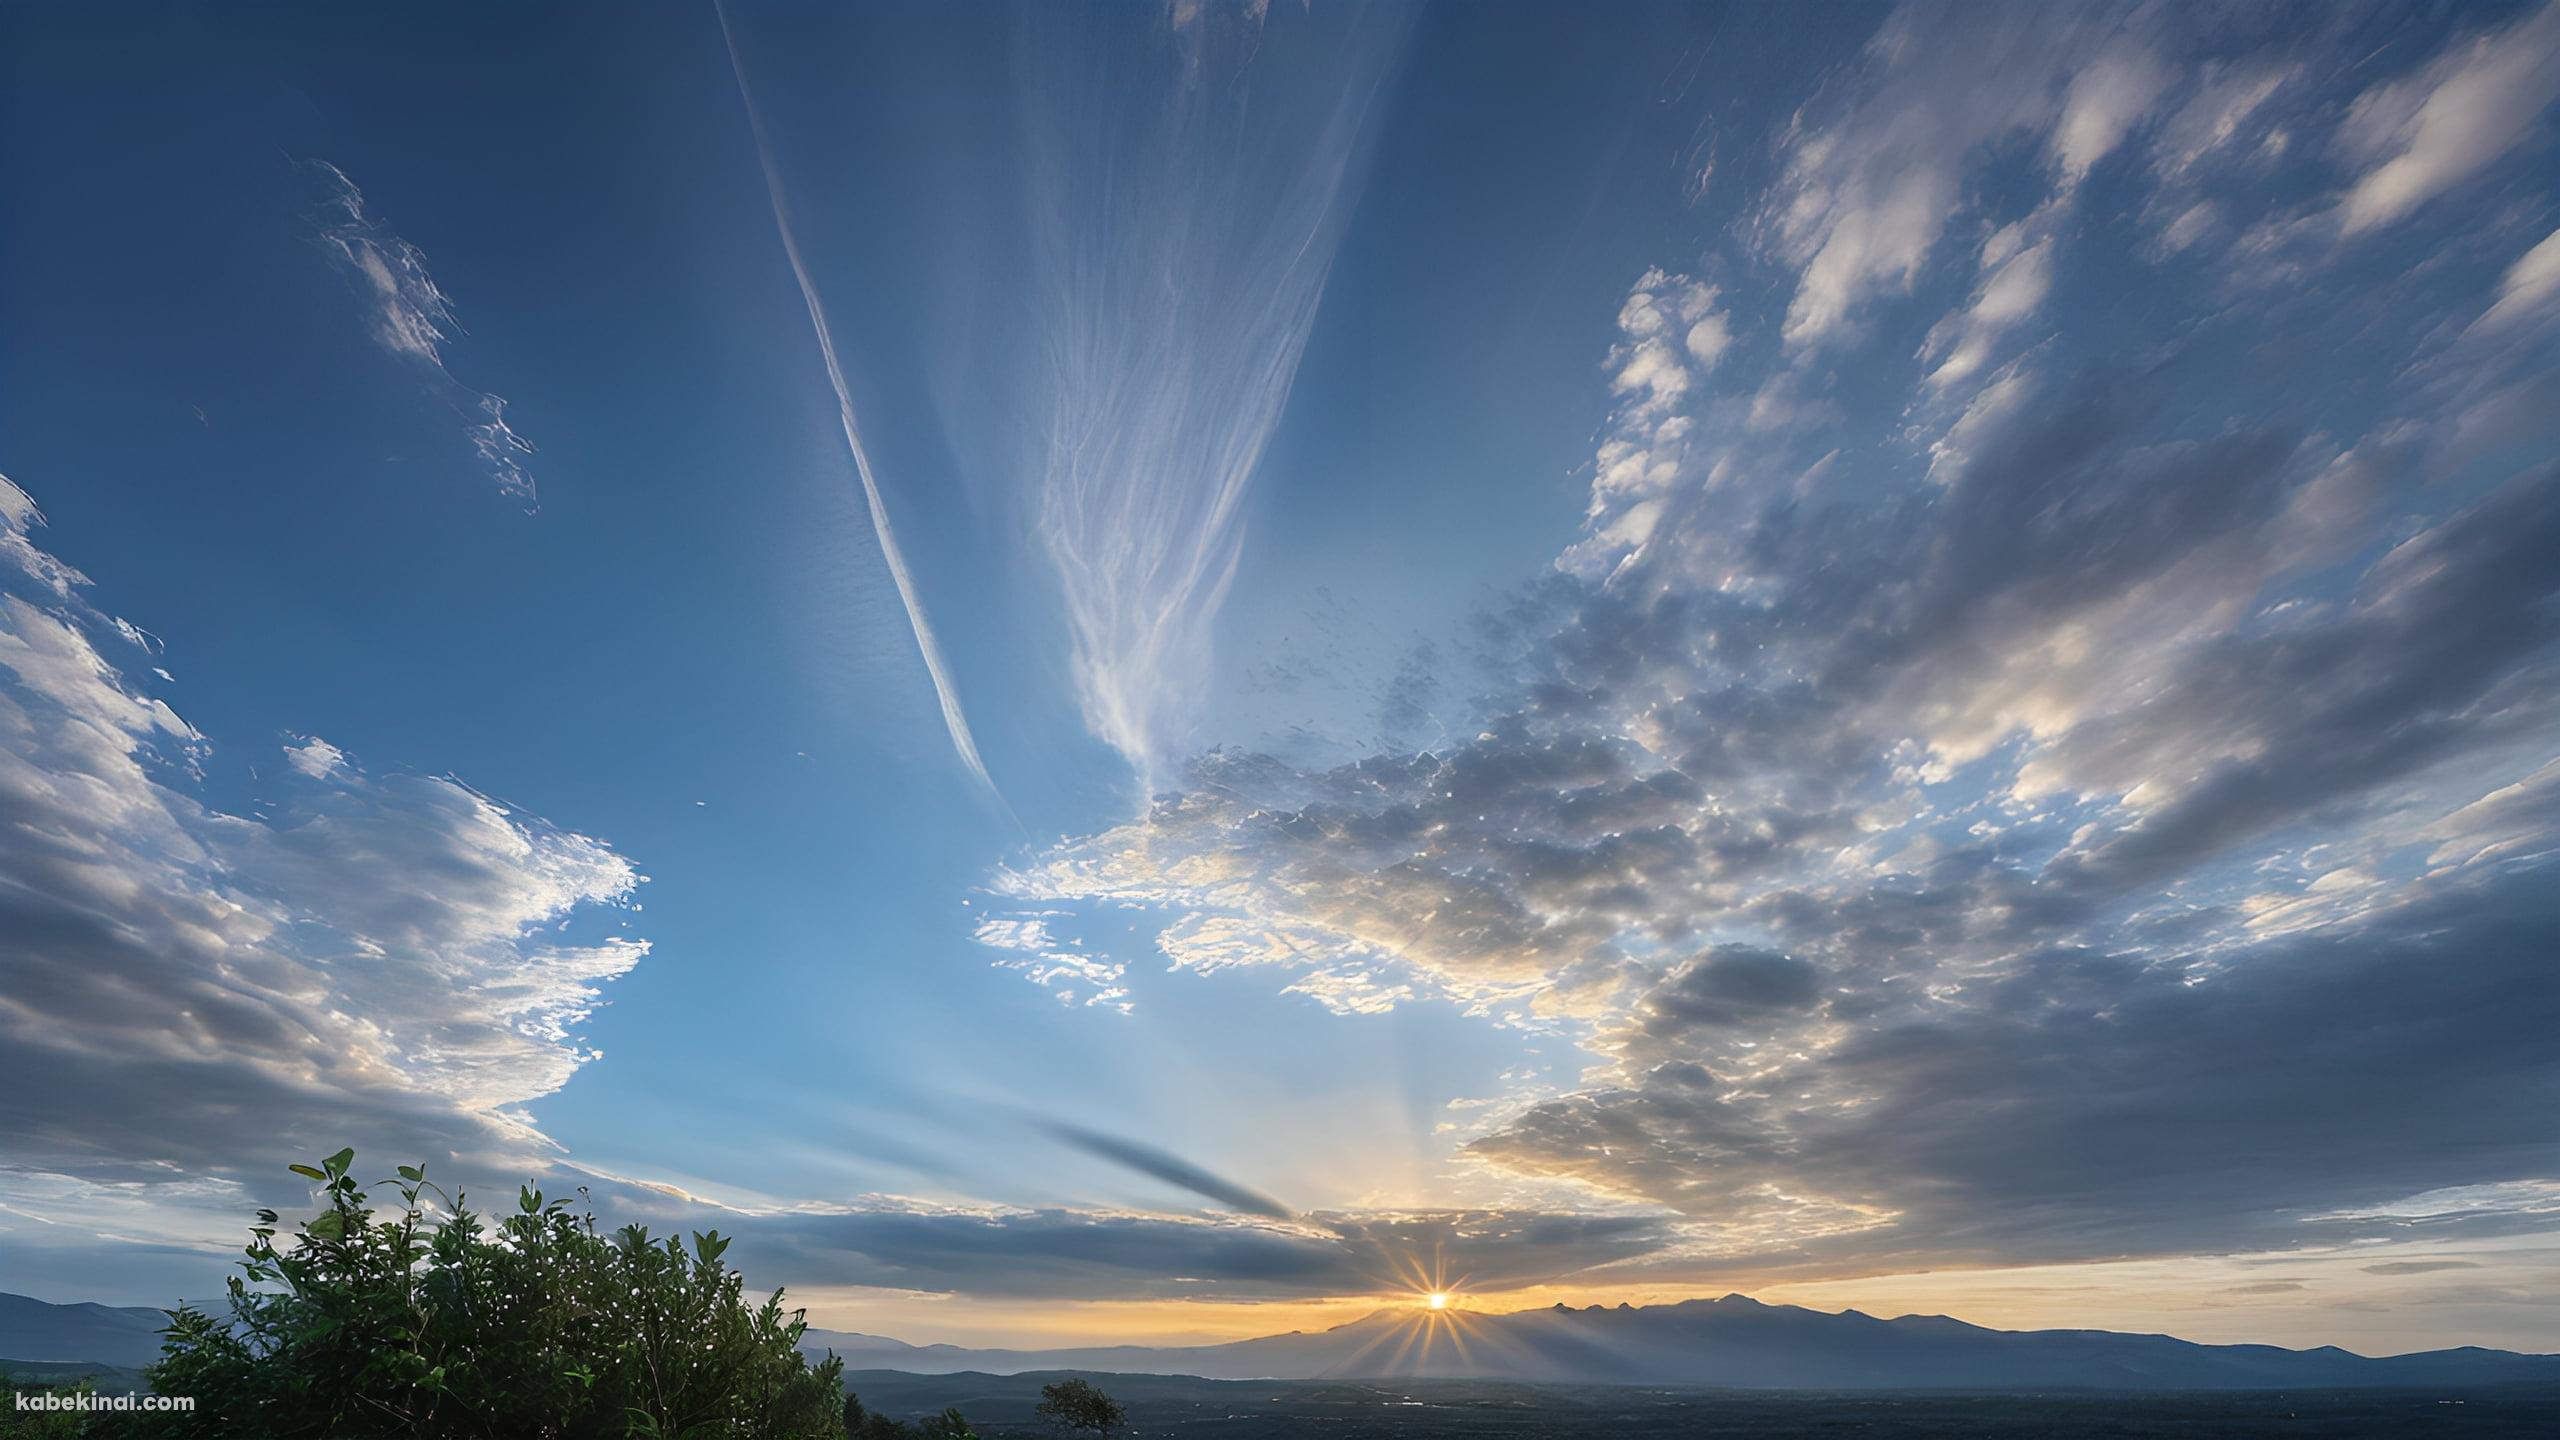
1437,1299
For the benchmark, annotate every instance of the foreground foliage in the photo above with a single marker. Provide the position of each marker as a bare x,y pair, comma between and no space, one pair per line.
423,1320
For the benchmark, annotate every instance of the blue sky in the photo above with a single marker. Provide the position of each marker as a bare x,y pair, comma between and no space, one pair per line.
1904,658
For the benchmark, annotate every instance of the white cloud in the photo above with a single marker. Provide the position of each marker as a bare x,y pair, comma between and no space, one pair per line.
2213,117
1865,197
218,992
2105,101
2529,294
2513,822
2426,133
19,518
411,316
1707,340
2010,292
1872,241
1059,965
314,757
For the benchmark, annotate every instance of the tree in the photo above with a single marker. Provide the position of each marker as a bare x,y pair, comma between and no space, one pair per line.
1080,1405
396,1324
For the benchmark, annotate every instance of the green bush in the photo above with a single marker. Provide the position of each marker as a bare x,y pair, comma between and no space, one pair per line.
407,1322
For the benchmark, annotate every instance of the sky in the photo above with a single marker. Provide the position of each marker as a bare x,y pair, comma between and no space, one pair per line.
1167,672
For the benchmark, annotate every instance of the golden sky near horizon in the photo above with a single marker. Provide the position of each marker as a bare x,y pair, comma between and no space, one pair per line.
2378,1299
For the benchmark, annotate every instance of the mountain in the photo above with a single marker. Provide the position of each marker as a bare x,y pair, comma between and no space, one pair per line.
1735,1341
101,1334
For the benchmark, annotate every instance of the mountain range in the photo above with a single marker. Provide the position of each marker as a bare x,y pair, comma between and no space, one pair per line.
1734,1341
124,1336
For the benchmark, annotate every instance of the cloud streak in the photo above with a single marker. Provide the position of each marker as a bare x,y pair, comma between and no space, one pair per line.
1189,187
1171,1169
946,693
412,318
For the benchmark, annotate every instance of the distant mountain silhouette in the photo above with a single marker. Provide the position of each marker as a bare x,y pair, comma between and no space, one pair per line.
128,1337
1735,1341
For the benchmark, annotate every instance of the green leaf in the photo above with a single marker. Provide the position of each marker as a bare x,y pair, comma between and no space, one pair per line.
337,1164
328,1225
306,1170
412,1173
528,1199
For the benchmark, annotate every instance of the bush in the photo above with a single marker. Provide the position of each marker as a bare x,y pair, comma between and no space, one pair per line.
399,1324
1080,1405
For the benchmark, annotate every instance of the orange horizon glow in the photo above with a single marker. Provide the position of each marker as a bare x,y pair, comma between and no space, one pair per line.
2193,1297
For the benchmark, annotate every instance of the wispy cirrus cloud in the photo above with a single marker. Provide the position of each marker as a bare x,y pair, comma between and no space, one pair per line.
411,317
1189,187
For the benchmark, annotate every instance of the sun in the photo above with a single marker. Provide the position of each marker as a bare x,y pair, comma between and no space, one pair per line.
1437,1299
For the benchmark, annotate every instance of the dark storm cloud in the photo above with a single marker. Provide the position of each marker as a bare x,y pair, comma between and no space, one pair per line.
2090,1104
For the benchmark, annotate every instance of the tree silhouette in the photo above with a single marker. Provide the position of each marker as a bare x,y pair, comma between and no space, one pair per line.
392,1324
1080,1405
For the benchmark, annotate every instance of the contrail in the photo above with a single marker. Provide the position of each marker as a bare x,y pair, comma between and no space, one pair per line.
953,719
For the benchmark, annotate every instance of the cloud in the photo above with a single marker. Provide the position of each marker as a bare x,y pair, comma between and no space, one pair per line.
1729,986
194,996
2224,102
955,720
2422,135
1189,190
2104,102
314,757
19,520
2101,807
2512,822
2529,293
411,317
2091,1104
1078,978
1172,1169
1870,187
2012,288
1086,1256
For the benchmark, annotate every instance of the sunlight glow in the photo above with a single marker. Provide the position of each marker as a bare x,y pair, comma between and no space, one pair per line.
1437,1299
